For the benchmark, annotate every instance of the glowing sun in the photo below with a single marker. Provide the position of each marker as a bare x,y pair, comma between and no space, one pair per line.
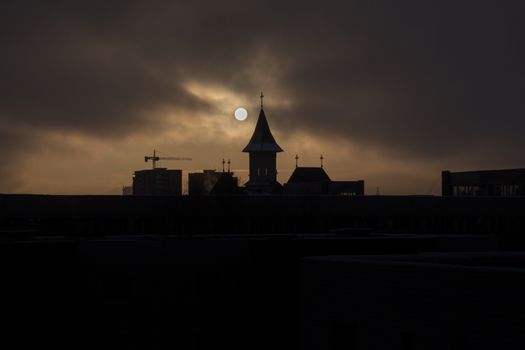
241,114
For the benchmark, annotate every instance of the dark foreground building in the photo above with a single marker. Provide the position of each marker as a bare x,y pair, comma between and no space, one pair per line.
497,183
199,292
239,272
157,182
431,301
100,216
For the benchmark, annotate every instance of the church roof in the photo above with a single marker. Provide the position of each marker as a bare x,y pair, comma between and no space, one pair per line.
262,138
226,184
308,174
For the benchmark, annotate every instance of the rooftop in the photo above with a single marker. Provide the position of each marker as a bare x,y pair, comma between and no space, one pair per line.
308,174
262,139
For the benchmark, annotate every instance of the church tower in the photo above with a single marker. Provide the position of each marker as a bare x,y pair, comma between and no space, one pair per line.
263,157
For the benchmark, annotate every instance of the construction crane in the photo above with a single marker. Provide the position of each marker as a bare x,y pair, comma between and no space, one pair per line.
154,159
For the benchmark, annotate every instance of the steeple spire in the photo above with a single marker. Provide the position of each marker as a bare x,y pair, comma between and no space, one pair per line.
262,139
263,157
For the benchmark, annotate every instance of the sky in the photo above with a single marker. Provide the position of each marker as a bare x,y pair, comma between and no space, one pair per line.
392,92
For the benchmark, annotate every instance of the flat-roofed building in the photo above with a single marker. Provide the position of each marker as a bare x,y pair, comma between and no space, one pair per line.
497,183
157,182
428,301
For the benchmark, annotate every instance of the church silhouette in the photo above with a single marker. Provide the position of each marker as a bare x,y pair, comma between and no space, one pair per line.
262,150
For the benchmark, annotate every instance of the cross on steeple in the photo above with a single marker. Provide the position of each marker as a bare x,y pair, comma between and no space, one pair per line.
296,161
321,160
262,97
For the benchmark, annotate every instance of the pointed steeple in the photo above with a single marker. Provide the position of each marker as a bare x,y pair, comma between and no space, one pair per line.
262,139
262,150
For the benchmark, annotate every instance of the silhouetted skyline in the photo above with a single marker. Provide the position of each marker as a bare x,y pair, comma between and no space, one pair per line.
390,92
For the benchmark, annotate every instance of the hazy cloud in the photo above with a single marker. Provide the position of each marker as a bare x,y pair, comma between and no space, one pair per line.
423,79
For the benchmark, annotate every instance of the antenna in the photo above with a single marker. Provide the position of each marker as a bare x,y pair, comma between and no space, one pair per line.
223,164
229,165
296,161
321,160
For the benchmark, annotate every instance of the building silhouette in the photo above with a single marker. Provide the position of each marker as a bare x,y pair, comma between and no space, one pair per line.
211,182
200,184
447,300
315,181
263,150
157,182
234,272
497,183
227,184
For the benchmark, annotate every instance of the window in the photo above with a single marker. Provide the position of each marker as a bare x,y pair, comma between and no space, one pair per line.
509,190
467,190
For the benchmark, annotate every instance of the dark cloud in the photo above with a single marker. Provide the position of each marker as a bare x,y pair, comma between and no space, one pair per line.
417,78
424,79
